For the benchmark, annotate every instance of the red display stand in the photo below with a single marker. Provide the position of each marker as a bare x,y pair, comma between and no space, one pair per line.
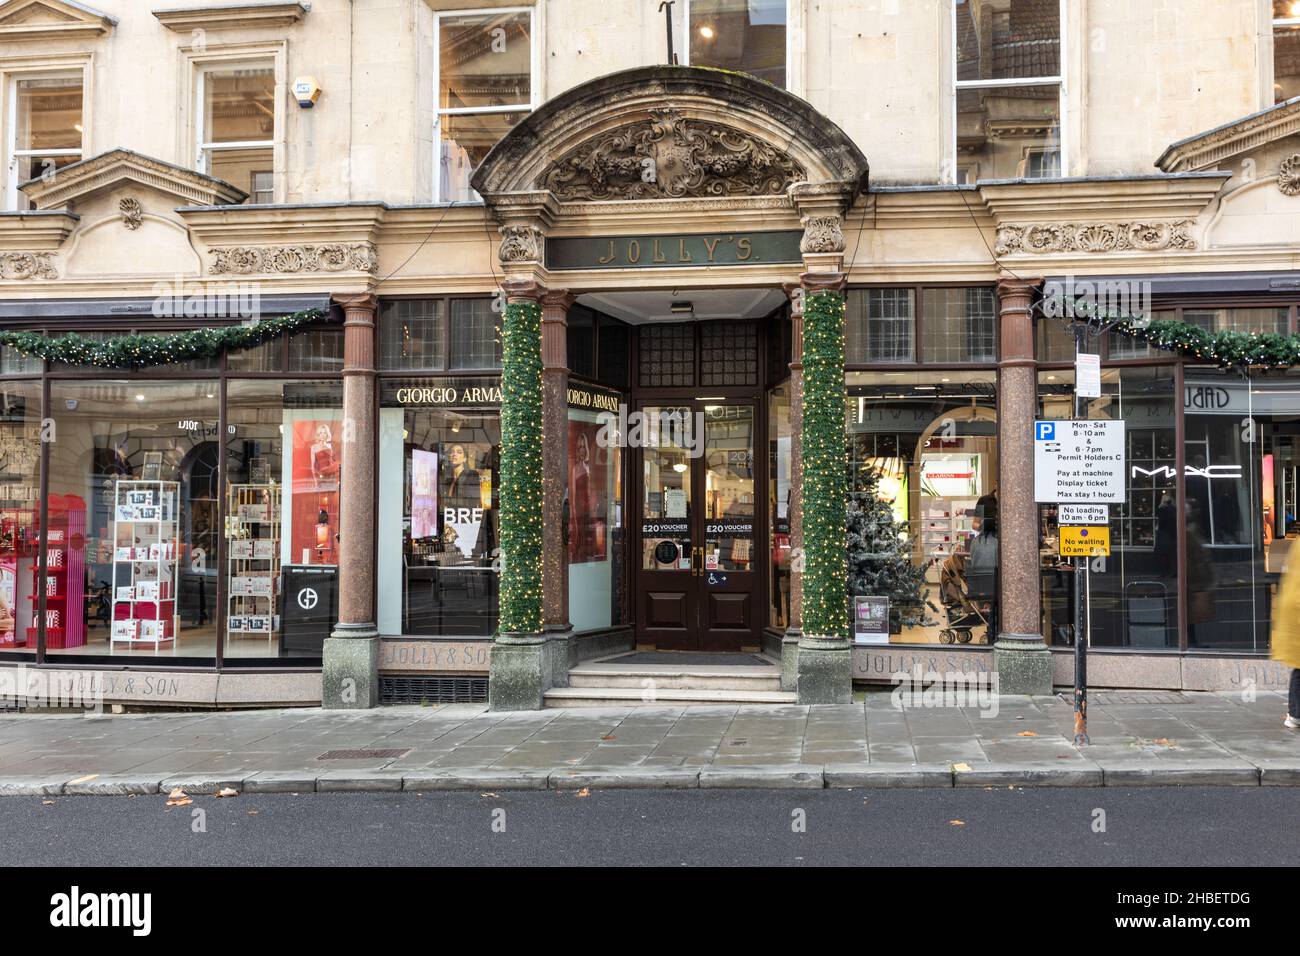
65,576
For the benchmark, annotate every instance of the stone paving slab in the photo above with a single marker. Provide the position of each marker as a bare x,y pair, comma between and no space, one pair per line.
1182,739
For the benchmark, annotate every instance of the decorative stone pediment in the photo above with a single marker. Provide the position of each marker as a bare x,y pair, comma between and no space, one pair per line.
73,184
670,155
226,16
670,133
1249,134
51,20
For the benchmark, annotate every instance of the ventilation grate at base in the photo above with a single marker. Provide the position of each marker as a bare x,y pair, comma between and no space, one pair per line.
389,754
432,690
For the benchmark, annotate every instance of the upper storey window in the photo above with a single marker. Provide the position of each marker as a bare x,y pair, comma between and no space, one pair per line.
1286,49
45,123
1008,102
236,129
486,67
744,35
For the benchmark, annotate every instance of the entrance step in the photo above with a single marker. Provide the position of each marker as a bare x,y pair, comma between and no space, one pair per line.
615,682
635,696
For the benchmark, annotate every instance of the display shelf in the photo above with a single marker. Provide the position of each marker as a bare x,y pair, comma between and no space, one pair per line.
146,554
253,561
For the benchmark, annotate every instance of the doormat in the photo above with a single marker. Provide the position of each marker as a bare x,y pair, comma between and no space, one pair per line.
689,659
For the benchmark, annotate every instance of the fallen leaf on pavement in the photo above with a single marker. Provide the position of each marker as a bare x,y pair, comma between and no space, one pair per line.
609,737
957,823
227,792
584,792
176,793
46,803
961,766
1026,733
180,802
1165,742
252,813
489,794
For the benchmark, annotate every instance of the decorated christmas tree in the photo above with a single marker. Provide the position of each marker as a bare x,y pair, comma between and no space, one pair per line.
880,563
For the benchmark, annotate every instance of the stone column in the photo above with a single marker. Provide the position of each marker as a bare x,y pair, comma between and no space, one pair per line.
555,471
520,669
790,641
1020,656
350,677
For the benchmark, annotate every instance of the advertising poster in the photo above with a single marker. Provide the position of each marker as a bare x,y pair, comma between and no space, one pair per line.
424,494
8,606
870,620
466,495
317,462
588,493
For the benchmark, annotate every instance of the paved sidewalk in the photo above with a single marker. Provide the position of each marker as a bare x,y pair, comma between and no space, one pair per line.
1138,739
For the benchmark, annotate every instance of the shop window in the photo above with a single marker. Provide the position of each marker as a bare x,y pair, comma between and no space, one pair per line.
318,349
612,342
728,354
581,341
284,459
1054,342
1134,592
780,438
20,512
923,529
1286,50
1121,347
1238,320
485,67
133,468
1007,116
439,475
879,326
46,123
747,36
960,325
475,334
1242,436
237,124
13,362
594,535
412,334
267,357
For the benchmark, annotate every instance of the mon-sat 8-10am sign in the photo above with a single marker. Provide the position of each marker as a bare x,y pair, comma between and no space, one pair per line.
1079,462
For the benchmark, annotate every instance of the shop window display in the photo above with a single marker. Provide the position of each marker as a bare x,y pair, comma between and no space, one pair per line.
1134,592
779,447
594,516
923,465
1241,437
133,472
284,461
20,510
439,476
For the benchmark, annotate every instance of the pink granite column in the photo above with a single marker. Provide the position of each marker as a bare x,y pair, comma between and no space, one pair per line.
350,666
1021,656
555,471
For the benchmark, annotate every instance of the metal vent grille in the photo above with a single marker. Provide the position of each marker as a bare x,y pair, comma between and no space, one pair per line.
382,754
432,690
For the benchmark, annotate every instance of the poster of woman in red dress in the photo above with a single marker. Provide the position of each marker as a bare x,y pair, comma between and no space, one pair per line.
317,463
588,493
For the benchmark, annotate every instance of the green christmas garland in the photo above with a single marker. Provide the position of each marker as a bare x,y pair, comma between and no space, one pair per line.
521,469
141,351
825,575
1226,349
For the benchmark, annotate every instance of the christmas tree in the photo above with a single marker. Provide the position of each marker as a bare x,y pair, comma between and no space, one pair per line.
880,562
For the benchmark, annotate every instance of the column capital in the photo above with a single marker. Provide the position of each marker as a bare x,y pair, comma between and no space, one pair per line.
523,290
559,301
823,281
356,302
1013,287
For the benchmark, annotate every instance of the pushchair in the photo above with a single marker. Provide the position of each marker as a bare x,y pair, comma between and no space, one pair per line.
963,614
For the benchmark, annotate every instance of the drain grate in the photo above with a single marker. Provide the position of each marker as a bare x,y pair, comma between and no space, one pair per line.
1104,697
389,754
394,689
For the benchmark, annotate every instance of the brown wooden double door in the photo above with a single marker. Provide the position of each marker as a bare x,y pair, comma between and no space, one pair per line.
699,556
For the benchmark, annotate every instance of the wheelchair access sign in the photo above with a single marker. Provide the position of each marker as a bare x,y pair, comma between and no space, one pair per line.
1091,542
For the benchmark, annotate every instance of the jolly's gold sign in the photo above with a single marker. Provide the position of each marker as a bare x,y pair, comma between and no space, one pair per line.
673,251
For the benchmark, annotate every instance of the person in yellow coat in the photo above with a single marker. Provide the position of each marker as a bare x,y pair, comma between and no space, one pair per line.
1286,637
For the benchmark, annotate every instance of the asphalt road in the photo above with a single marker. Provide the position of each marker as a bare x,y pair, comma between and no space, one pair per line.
1241,826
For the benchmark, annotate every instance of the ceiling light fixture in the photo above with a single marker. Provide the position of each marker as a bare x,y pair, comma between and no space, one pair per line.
682,308
706,32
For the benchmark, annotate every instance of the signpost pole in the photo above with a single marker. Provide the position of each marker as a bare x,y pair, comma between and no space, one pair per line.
1080,631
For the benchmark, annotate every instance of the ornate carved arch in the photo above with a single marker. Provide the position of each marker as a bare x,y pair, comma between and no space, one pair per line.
670,132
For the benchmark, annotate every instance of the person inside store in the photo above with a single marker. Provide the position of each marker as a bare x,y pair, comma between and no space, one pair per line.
982,566
1284,645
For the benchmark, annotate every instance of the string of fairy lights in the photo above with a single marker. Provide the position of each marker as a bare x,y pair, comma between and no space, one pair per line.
825,575
137,351
521,468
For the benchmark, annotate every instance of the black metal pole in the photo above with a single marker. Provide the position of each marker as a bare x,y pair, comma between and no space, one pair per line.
1080,630
668,18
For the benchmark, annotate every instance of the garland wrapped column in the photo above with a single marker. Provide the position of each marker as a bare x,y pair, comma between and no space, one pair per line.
825,602
521,467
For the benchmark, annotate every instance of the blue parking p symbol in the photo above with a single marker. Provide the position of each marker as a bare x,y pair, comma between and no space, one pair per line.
1046,431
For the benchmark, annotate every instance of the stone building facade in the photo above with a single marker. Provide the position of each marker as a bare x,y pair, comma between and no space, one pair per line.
319,517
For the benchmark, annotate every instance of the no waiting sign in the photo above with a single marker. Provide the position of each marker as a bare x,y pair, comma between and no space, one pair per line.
1079,462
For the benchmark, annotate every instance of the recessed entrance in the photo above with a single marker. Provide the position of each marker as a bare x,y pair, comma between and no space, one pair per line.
696,432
